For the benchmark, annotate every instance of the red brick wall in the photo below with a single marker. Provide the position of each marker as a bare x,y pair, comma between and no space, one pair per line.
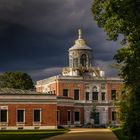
117,115
71,86
81,115
48,113
113,86
63,114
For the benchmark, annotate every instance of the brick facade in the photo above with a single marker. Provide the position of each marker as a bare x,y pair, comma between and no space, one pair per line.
105,106
26,104
48,113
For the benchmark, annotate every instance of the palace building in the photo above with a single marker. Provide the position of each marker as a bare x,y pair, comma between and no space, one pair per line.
82,88
81,96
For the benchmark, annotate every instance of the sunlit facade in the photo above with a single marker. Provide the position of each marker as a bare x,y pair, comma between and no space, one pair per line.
80,88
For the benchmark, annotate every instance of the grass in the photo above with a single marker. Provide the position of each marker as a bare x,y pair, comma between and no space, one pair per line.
30,135
119,133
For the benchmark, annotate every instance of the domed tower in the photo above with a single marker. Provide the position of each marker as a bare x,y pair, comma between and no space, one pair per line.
80,58
80,55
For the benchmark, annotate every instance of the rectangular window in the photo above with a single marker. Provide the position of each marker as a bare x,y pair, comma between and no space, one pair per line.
20,115
87,95
96,118
76,116
3,115
113,115
58,116
65,92
95,96
37,115
103,96
68,116
113,94
76,94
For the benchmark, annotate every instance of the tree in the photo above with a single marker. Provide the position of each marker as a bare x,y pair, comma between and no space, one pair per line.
17,80
122,18
93,113
118,17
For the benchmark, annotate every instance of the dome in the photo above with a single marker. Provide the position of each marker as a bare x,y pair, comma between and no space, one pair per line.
80,43
80,47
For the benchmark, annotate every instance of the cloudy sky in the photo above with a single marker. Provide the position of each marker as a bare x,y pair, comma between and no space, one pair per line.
35,36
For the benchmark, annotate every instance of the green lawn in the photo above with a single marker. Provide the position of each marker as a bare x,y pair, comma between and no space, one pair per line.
118,132
30,135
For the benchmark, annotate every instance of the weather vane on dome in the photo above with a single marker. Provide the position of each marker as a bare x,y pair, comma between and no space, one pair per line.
79,33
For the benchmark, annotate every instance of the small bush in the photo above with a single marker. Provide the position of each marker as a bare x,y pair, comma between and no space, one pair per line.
119,133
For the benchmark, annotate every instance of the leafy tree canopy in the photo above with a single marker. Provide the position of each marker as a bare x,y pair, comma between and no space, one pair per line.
118,17
121,17
17,80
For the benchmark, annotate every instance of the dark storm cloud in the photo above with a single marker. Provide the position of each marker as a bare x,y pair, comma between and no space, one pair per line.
35,35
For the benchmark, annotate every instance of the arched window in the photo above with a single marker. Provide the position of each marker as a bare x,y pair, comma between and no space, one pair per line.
83,60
